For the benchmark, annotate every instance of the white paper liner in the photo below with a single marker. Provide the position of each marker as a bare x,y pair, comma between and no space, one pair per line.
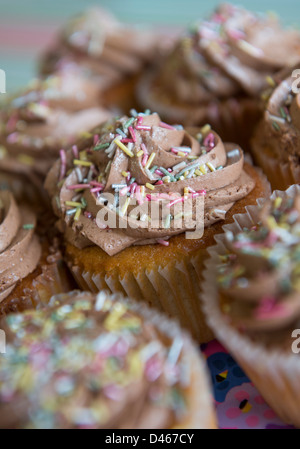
173,289
201,412
281,175
275,374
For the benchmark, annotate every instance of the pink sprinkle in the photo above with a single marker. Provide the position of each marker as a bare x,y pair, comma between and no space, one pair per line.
96,189
133,188
12,138
209,141
152,197
87,214
159,173
159,183
78,186
269,309
96,184
128,177
132,133
63,165
139,196
163,242
202,192
75,151
124,191
179,200
96,138
166,126
145,159
153,369
11,124
127,140
143,128
140,120
236,34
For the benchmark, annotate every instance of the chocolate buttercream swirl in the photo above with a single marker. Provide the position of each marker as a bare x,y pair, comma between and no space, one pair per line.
93,362
134,164
99,47
260,276
38,122
20,249
279,130
235,51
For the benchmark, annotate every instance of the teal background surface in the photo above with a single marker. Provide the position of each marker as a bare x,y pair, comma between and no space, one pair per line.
27,26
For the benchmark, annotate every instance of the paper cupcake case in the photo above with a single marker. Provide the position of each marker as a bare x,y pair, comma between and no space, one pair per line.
274,373
53,279
280,174
173,289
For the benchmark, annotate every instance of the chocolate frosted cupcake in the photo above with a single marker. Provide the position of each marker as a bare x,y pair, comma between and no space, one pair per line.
100,362
97,47
276,142
219,69
134,205
251,297
37,123
31,269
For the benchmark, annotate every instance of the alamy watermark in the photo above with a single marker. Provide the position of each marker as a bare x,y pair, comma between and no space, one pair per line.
2,82
2,342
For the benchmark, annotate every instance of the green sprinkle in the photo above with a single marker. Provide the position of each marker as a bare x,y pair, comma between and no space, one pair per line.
102,146
167,222
276,126
129,123
28,226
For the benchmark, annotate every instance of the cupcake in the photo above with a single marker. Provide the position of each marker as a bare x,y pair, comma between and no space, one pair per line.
219,69
100,362
276,143
133,207
110,55
251,297
38,122
31,268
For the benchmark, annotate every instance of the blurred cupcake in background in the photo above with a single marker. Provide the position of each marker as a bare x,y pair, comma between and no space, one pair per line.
39,121
110,55
127,200
276,142
251,297
31,266
134,368
218,70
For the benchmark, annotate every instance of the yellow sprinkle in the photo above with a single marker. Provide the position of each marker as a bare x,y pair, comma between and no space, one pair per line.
125,174
185,174
210,166
142,189
112,321
270,81
140,153
3,151
85,135
203,169
277,202
135,365
205,130
192,158
149,186
84,163
25,159
124,148
198,173
77,214
73,204
125,207
272,222
166,179
150,160
82,155
181,154
186,191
